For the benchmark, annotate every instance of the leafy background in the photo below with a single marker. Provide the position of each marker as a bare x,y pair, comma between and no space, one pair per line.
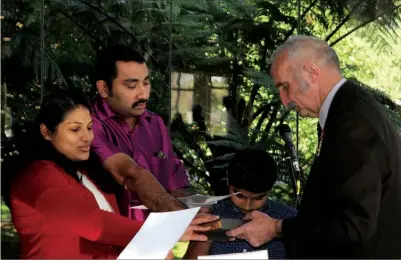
232,39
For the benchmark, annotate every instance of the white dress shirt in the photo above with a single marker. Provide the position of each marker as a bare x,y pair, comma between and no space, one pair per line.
100,199
324,110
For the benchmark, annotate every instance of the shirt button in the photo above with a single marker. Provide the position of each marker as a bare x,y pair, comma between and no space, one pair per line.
244,250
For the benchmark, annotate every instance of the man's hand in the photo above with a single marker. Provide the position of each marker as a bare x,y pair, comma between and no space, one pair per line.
191,232
260,229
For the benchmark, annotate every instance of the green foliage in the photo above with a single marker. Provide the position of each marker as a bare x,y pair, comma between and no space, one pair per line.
376,67
9,237
282,192
231,38
215,153
9,242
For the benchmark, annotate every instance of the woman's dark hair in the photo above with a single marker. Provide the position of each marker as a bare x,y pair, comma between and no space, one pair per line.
32,146
252,170
53,110
56,107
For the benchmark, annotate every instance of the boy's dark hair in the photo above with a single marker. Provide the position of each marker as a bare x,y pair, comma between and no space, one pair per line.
105,65
252,170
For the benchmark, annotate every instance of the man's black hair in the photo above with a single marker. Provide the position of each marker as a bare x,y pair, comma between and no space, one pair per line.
106,59
252,170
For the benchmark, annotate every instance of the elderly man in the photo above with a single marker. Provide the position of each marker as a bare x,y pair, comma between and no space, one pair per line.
351,205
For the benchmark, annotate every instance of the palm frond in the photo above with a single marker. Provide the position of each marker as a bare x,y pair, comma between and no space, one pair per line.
231,137
225,157
385,35
220,166
387,17
260,77
235,128
191,4
194,18
27,43
240,8
214,61
227,144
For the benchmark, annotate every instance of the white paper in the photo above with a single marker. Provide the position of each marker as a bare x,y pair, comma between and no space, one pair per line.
139,207
196,200
159,234
201,199
261,254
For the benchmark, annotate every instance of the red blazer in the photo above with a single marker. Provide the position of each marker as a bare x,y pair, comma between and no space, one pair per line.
57,217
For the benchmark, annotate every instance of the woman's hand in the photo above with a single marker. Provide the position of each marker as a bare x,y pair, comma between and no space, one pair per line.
202,218
170,255
194,227
191,235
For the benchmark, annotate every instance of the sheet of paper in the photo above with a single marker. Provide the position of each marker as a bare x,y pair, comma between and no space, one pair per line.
261,254
196,200
139,207
158,234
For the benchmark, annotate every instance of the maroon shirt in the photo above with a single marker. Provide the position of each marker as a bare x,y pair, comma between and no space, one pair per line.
148,144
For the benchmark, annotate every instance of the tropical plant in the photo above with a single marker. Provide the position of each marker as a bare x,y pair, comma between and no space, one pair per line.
232,38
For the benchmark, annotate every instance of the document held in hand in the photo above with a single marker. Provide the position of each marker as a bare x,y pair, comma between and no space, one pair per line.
159,234
220,227
261,254
196,200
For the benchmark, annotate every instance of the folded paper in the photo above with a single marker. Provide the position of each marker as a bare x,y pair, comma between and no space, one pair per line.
159,234
220,227
196,200
261,254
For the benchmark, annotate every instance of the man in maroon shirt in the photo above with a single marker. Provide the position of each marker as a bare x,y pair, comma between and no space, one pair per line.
133,143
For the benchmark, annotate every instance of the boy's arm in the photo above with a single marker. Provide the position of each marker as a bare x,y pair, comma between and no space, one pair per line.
196,249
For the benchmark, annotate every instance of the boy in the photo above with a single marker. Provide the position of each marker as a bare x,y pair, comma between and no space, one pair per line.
253,173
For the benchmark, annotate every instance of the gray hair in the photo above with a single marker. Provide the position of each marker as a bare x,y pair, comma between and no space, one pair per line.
308,48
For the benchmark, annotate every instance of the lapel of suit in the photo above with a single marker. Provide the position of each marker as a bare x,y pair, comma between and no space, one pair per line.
336,107
322,158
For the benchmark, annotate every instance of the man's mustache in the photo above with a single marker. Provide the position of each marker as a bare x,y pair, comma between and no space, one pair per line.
141,101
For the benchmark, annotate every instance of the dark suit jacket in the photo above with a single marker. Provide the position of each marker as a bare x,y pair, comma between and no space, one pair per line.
57,217
351,205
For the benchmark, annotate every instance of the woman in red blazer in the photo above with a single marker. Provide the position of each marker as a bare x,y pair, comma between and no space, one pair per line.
58,211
